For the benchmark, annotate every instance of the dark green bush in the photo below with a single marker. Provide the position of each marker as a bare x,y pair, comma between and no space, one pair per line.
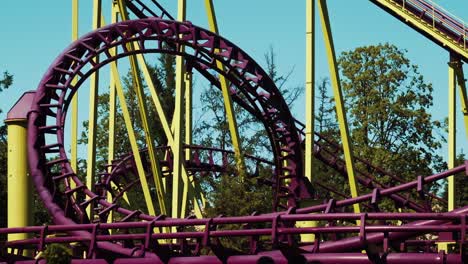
57,254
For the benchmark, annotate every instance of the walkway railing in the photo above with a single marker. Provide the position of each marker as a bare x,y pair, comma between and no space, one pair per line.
440,24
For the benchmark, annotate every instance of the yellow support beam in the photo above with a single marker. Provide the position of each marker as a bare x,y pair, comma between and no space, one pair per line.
452,131
133,141
177,184
93,102
310,87
19,186
452,141
400,11
154,96
228,105
460,76
112,102
74,102
155,167
143,110
310,98
164,121
340,105
188,113
188,192
112,116
168,130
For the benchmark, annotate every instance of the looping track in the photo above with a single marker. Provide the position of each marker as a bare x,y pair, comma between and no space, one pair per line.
250,83
141,238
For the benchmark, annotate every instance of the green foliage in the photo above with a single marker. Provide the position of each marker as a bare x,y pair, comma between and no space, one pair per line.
327,126
3,180
213,129
227,195
57,254
235,198
290,94
325,116
231,197
387,102
6,81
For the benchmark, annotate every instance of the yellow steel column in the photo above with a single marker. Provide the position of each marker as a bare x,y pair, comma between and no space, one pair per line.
74,102
188,112
93,101
188,98
177,147
452,143
310,87
112,112
340,107
143,110
460,76
154,95
452,131
19,183
112,101
133,141
19,186
310,116
168,132
228,105
188,193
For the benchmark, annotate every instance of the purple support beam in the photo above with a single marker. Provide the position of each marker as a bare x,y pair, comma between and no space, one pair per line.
392,258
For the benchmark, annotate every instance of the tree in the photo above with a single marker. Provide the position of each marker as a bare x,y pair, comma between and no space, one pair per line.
6,81
327,126
388,102
57,254
227,195
213,131
325,120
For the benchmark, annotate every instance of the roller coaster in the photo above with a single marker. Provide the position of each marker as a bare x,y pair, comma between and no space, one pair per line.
91,217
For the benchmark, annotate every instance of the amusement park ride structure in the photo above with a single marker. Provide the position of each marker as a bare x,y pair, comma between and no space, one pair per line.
85,213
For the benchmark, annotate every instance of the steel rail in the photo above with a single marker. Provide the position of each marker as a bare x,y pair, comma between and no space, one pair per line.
432,21
367,180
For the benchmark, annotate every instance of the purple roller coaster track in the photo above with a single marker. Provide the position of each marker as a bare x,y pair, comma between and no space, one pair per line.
374,237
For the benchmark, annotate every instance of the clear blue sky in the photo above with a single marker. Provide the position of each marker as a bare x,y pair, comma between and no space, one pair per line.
33,33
